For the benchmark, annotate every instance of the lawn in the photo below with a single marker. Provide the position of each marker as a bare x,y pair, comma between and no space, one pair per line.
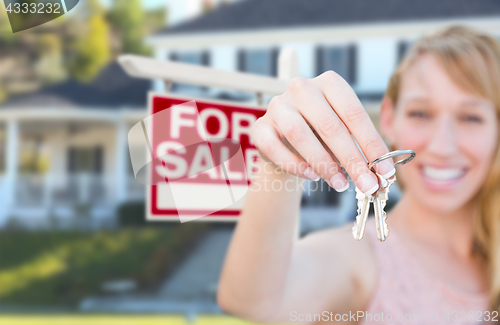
54,268
116,320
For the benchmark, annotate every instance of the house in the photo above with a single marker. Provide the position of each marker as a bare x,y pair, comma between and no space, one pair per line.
65,150
362,40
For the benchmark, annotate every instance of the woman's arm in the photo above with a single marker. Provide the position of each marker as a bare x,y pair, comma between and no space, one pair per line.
267,274
253,278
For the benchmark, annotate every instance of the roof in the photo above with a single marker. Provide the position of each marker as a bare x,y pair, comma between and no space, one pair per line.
261,14
111,89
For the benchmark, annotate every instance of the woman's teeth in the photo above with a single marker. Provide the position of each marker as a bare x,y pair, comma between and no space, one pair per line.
443,174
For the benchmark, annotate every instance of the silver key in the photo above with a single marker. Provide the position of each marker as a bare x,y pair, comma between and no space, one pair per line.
378,198
380,215
379,203
384,193
358,230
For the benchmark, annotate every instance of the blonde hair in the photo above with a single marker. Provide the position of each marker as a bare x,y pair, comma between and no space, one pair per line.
472,60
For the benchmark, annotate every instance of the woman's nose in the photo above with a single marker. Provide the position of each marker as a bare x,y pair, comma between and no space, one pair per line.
443,138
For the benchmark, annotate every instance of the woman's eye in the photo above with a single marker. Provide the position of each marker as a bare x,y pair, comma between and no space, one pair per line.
472,118
419,114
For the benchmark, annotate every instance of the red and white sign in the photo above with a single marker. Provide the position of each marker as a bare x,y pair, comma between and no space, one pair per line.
187,188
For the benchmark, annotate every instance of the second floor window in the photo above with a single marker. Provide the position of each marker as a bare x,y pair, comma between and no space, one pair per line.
198,58
261,61
341,59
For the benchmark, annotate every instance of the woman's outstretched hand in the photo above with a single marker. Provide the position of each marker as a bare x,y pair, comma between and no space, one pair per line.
268,273
307,132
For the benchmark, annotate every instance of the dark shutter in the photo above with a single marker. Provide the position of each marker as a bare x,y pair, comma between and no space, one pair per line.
274,61
205,61
173,56
352,63
402,48
241,60
205,58
319,60
71,160
98,160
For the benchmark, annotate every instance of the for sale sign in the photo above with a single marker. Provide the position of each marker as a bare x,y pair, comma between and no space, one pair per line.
200,156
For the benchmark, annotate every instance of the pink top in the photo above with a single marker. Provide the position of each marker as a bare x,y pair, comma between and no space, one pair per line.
406,289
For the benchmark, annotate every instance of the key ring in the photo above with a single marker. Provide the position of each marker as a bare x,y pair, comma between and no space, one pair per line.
391,154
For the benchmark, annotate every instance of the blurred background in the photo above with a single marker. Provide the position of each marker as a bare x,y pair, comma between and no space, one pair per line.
74,246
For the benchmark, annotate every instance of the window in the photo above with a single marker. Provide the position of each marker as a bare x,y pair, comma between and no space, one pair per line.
85,160
341,59
199,58
263,62
32,154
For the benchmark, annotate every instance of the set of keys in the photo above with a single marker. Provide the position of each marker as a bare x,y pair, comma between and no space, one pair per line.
379,198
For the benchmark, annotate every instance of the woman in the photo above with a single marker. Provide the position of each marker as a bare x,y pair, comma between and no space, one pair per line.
440,262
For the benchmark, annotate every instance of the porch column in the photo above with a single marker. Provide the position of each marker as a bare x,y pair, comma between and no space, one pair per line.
121,161
11,165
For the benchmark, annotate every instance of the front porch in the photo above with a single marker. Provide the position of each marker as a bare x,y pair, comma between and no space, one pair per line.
65,169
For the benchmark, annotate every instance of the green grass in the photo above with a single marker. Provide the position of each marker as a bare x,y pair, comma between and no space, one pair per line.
116,320
60,268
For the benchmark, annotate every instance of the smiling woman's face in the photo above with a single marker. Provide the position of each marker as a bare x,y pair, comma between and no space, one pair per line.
453,132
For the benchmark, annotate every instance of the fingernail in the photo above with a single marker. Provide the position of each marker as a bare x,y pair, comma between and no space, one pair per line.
311,174
386,169
339,182
367,183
